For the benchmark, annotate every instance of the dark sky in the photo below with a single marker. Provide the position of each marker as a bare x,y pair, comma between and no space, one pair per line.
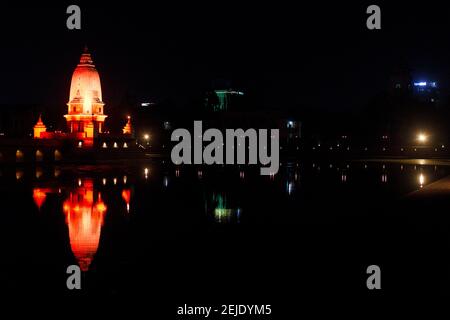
283,54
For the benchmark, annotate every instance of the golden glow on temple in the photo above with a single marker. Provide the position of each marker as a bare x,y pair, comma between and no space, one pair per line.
127,129
85,107
85,212
38,128
85,119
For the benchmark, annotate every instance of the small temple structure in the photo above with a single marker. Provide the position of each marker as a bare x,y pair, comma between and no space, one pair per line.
39,128
128,129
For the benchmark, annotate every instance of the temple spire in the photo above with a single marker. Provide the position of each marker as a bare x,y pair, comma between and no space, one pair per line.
38,128
128,128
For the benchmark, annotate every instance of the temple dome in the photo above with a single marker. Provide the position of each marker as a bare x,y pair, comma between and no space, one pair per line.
85,114
85,87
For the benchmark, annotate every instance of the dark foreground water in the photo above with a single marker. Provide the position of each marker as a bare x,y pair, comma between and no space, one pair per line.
217,235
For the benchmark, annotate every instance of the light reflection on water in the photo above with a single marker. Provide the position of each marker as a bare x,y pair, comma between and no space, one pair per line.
421,179
88,197
85,212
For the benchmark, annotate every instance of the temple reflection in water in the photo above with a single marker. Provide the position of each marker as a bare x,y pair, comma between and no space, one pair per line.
85,211
91,198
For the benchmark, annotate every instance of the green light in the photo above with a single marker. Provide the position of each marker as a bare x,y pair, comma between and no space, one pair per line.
223,101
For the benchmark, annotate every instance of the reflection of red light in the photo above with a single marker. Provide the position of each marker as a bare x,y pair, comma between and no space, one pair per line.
126,196
39,196
84,217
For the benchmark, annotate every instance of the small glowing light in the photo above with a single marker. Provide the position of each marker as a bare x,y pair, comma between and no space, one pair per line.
125,145
104,145
80,144
290,188
146,136
421,180
125,178
19,174
115,181
422,137
115,145
104,181
39,173
79,182
146,173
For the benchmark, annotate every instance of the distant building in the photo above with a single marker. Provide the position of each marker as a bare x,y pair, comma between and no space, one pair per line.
401,79
426,91
221,100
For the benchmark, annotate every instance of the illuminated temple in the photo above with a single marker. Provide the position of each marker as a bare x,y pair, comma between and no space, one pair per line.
85,115
85,107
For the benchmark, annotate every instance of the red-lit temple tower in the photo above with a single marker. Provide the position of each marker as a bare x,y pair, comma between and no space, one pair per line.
85,107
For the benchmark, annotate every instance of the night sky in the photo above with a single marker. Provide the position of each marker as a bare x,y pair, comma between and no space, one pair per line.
283,54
